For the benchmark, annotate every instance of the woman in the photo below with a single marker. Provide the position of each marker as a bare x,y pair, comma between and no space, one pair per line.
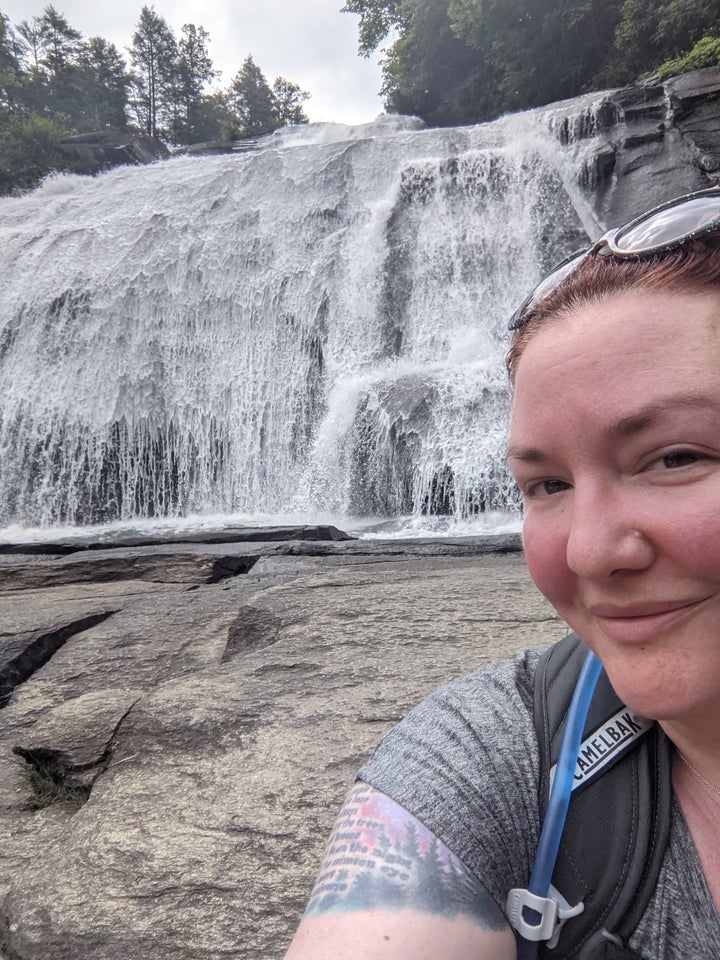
615,446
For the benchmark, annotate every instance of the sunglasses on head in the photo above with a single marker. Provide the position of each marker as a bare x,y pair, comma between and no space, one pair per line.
661,229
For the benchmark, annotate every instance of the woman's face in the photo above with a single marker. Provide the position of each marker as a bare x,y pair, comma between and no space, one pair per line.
615,444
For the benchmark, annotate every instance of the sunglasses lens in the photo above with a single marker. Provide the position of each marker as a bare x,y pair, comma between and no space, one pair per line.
668,226
658,230
554,279
545,288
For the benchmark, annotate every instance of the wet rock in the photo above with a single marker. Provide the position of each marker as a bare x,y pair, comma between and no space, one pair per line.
661,140
90,153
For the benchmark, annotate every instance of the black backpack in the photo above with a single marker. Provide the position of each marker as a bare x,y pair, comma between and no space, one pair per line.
618,821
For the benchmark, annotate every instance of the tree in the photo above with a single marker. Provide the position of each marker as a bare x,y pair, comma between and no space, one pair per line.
104,82
195,70
60,43
288,99
213,119
60,46
432,73
251,100
544,52
430,70
649,33
154,54
682,23
9,65
32,94
29,151
29,30
378,18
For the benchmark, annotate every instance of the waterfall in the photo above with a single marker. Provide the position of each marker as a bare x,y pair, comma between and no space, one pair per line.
315,327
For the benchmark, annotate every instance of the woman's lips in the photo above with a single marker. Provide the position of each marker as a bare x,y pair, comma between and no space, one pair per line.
640,622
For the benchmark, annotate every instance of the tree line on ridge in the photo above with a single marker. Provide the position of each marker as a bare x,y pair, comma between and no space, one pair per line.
54,83
465,61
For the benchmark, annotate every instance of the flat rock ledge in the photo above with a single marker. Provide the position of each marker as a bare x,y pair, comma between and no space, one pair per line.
198,710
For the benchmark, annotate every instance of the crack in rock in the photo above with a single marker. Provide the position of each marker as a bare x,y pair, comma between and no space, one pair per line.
53,776
23,658
230,566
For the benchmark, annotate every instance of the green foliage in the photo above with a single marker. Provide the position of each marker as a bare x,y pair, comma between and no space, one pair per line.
288,99
213,120
255,108
542,52
103,82
460,61
194,71
9,65
59,43
154,54
29,151
377,19
705,53
429,71
54,84
47,782
650,33
251,101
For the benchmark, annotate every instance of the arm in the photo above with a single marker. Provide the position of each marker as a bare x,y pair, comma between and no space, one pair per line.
388,888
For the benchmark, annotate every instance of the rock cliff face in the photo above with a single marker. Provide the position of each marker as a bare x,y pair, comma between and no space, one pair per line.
660,140
213,724
91,153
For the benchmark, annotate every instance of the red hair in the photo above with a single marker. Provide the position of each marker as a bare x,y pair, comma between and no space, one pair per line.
691,268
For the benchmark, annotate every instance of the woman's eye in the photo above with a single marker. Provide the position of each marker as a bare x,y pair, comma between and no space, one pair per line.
680,458
546,488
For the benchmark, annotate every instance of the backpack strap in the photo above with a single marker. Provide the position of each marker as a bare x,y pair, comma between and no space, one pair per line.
618,821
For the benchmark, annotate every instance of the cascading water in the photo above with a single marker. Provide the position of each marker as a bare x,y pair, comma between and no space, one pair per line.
317,327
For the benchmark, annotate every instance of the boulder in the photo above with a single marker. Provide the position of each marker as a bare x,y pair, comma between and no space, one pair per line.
90,153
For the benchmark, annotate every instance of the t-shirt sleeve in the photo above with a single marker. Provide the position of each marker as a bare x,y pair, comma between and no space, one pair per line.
465,763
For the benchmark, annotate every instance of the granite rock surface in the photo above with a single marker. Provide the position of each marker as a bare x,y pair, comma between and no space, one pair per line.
213,725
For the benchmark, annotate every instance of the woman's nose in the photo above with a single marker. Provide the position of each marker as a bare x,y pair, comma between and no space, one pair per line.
605,535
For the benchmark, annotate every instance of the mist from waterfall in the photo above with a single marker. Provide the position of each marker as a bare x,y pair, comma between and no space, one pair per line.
315,328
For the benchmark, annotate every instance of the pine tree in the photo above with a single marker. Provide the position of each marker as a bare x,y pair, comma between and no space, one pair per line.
33,81
251,100
288,99
29,30
154,54
60,43
10,67
105,83
430,878
195,70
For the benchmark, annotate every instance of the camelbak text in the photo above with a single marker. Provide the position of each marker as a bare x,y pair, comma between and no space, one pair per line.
606,743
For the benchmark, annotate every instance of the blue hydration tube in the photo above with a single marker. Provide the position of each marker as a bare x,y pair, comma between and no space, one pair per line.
560,791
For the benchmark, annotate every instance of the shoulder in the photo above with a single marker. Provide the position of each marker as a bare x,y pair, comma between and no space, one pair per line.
389,887
465,763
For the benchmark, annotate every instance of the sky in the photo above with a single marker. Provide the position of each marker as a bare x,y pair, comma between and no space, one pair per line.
306,41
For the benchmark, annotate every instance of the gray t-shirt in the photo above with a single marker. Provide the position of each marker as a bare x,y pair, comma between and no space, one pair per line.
465,763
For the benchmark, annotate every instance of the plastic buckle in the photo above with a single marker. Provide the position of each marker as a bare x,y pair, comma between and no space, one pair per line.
552,910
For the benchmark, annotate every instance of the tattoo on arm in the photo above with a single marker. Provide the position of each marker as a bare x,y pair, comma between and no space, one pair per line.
380,856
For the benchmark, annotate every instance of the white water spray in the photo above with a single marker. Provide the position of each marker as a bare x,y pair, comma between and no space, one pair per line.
316,327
